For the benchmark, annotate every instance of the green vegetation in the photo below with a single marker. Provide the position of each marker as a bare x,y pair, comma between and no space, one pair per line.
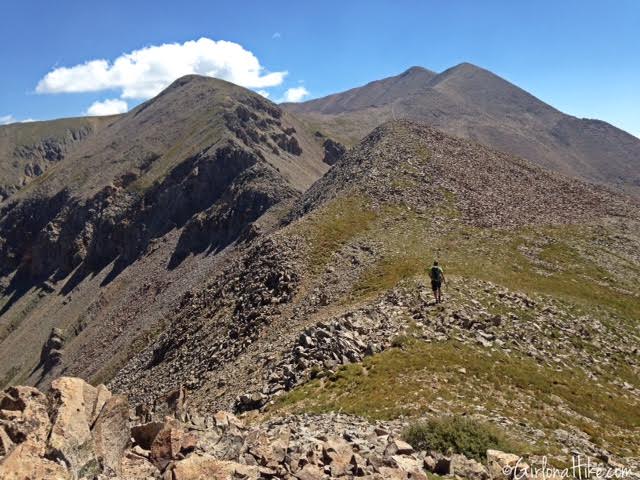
456,434
583,268
458,377
334,226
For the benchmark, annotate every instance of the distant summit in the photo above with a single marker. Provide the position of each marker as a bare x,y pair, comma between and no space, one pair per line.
471,102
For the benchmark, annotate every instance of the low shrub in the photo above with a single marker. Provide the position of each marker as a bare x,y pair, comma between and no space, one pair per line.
457,435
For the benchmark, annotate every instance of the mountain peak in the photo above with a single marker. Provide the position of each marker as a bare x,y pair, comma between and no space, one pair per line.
465,69
416,70
466,66
194,79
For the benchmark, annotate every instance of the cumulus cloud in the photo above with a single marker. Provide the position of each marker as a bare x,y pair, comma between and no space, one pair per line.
110,106
143,73
264,93
295,94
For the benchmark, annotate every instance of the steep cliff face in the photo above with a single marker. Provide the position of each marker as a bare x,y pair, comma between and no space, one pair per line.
189,170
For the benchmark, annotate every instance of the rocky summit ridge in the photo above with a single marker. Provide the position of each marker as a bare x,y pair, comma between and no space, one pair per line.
209,252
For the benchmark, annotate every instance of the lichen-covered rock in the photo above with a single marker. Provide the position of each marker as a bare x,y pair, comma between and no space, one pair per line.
26,462
73,402
110,433
24,415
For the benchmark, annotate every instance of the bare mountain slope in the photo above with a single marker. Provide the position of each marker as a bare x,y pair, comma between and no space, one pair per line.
471,102
104,240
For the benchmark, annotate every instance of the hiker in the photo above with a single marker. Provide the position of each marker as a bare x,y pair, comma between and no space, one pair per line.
437,279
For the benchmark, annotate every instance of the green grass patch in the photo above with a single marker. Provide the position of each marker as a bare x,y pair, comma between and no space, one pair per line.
407,381
335,225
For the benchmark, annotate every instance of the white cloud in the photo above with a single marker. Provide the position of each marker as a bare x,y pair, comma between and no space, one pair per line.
264,93
143,73
7,119
295,94
110,106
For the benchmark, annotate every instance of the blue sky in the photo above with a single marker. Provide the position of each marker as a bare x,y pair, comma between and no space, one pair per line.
582,57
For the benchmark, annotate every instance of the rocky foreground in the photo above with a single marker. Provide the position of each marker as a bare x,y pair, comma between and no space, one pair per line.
78,431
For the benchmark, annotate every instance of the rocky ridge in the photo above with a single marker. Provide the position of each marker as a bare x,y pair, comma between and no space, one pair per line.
406,163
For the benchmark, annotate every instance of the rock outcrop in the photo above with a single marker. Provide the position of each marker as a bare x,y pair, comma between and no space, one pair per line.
333,151
52,351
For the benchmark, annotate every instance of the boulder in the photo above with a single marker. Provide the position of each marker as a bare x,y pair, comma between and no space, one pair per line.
397,447
24,416
224,420
135,467
167,445
111,433
407,463
390,473
467,468
52,351
198,467
337,454
310,472
73,402
102,395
